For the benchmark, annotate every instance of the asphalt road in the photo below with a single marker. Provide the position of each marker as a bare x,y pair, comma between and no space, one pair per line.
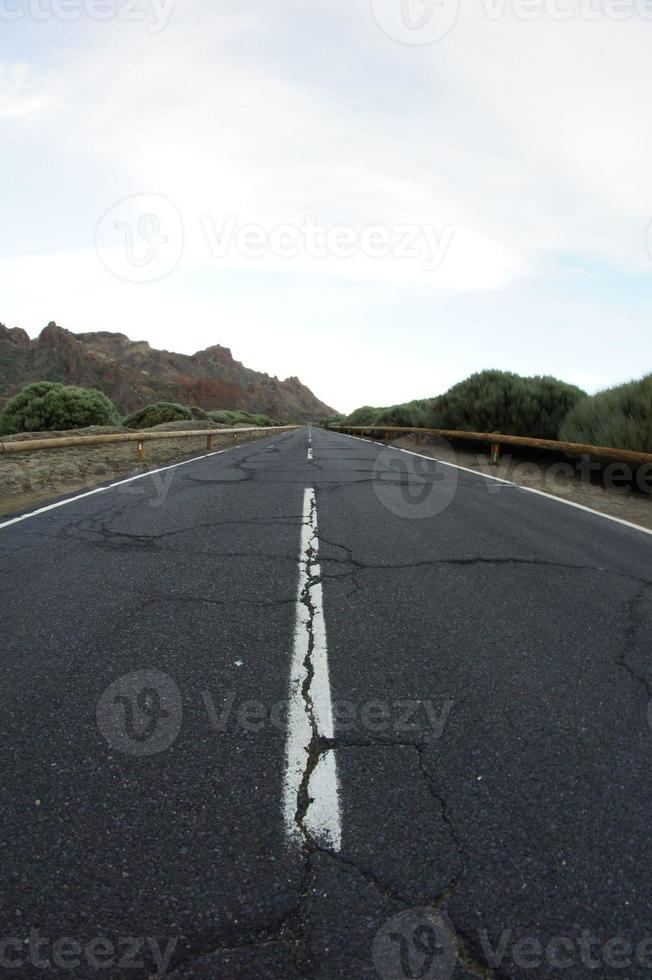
396,728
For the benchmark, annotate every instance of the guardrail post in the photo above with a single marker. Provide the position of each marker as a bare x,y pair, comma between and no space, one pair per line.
495,453
141,450
209,442
388,436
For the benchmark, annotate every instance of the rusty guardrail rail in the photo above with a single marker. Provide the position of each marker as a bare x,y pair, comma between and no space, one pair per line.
63,442
497,439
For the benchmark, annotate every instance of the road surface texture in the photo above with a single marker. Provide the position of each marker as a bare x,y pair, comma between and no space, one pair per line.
318,708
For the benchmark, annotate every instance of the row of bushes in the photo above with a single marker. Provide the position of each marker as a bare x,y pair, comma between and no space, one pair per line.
537,407
162,412
48,406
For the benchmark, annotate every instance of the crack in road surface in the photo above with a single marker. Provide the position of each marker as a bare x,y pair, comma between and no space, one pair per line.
311,804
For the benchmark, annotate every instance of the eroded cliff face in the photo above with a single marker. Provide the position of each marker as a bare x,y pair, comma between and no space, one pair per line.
133,374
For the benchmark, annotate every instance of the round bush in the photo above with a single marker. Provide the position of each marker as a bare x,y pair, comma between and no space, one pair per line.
240,417
157,414
222,416
47,406
620,417
412,414
366,415
199,415
505,402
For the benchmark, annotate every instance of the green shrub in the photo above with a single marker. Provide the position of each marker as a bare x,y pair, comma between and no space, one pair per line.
157,414
224,416
48,406
414,414
199,415
362,416
505,402
620,417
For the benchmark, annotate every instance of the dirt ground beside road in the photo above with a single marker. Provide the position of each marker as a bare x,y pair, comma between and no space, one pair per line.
32,478
561,478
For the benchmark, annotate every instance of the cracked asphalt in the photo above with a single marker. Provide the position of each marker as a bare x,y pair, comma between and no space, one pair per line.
490,669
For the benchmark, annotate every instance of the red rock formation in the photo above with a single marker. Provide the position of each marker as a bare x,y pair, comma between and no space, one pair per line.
134,374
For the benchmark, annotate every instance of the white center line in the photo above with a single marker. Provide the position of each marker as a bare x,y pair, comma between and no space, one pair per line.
310,455
311,804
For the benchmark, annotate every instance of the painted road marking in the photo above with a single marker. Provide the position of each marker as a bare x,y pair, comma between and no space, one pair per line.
310,455
311,800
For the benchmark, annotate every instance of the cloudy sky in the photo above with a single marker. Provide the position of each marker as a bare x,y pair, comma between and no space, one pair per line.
379,196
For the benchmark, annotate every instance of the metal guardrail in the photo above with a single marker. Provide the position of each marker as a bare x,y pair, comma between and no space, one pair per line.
497,439
63,442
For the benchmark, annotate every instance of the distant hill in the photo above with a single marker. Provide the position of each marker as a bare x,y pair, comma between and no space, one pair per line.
134,374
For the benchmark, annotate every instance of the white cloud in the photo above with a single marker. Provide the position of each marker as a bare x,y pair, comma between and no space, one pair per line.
22,96
530,140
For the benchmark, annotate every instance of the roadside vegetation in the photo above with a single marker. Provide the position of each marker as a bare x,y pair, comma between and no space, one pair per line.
157,414
620,417
504,402
47,406
242,418
535,407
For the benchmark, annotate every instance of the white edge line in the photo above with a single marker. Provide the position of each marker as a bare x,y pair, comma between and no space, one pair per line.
508,483
112,486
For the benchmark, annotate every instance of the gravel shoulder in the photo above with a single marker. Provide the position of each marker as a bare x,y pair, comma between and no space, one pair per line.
560,477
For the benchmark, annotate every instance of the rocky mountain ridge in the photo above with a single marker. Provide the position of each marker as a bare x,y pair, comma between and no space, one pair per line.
133,374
